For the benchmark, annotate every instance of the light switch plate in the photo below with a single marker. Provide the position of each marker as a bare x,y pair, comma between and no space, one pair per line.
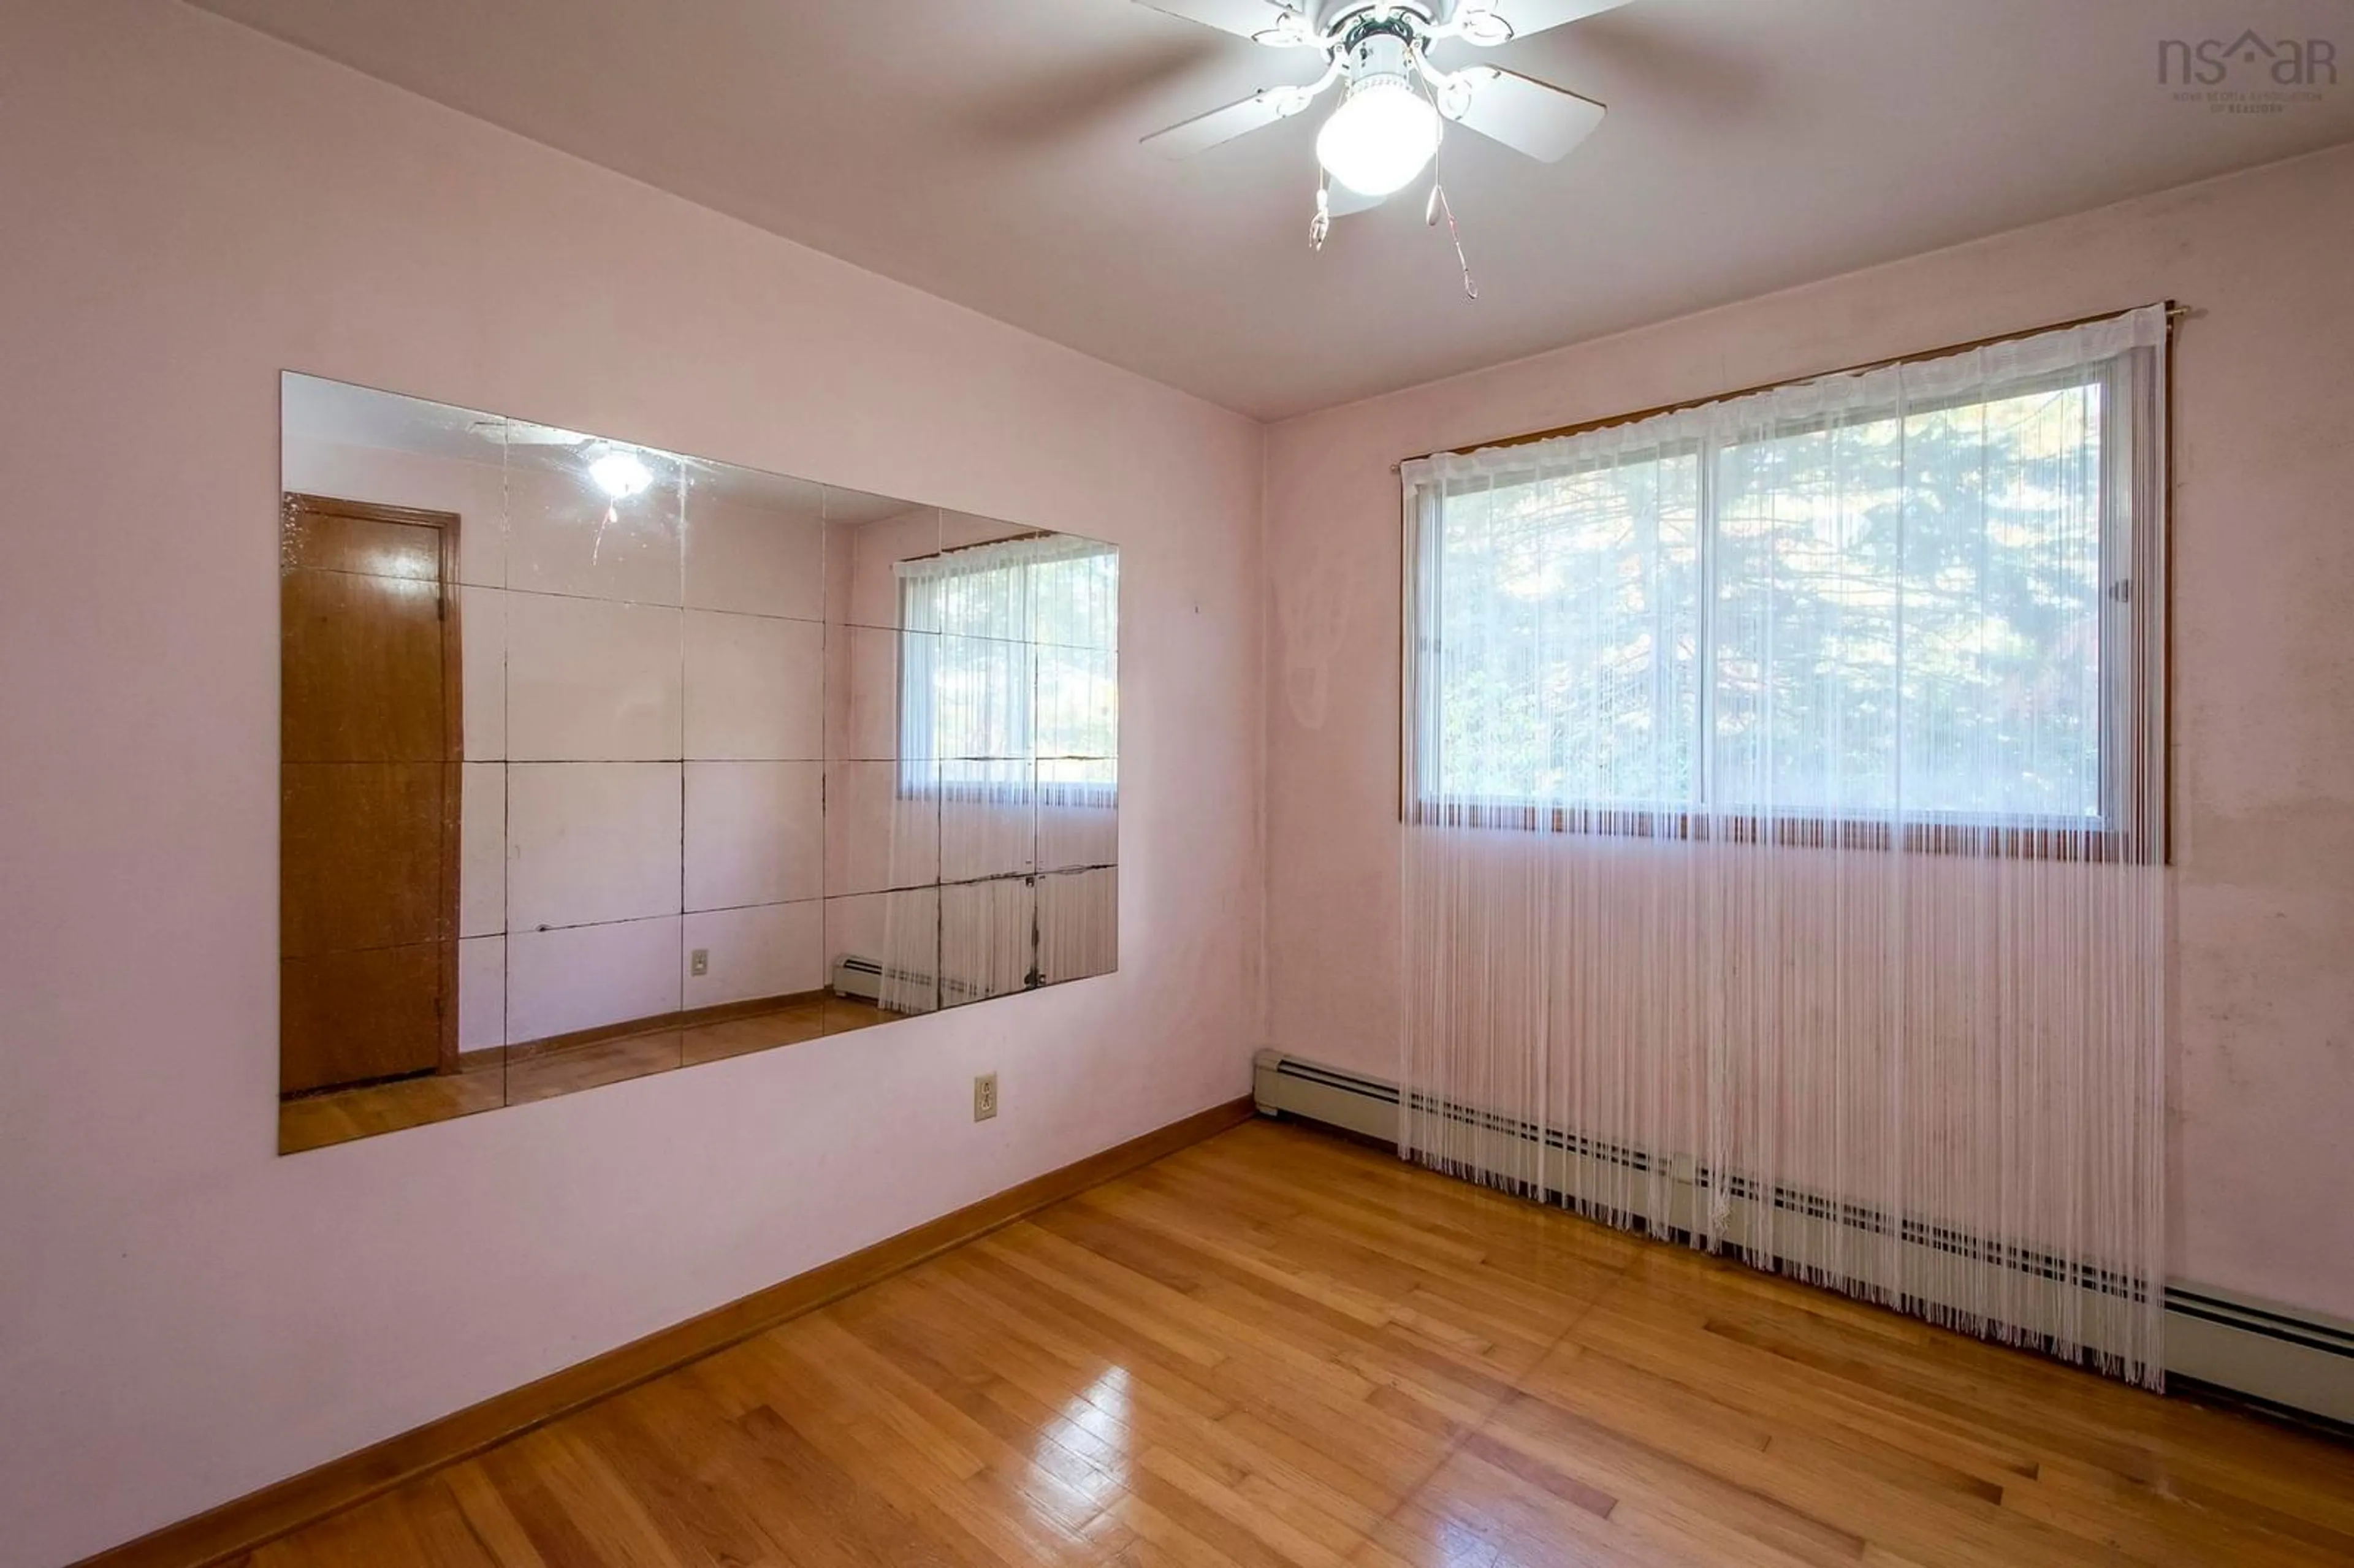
699,961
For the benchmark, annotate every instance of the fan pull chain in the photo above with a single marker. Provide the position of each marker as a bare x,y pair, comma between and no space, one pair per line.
1321,224
1437,205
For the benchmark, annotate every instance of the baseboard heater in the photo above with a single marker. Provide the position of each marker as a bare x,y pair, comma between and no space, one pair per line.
862,978
2296,1361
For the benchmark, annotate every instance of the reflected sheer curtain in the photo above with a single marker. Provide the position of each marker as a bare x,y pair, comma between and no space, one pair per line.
1784,866
1008,706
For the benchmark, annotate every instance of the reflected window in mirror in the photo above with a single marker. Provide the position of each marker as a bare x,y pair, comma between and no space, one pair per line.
1009,704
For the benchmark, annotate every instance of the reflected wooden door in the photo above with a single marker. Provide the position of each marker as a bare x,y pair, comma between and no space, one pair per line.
369,752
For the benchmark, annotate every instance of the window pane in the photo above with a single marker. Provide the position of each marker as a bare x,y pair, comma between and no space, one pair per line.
1074,602
1078,701
1074,598
2003,607
1810,548
1909,614
1568,636
1013,654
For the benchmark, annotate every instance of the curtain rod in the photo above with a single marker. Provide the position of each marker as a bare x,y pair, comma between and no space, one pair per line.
981,544
2174,313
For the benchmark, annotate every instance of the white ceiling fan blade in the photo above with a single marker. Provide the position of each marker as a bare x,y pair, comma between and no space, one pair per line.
1246,18
1204,131
1526,16
1527,115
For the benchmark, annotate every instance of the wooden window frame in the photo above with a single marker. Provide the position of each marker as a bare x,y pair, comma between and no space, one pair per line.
2134,776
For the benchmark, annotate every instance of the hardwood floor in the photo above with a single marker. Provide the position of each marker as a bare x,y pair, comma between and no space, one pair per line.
1277,1349
492,1078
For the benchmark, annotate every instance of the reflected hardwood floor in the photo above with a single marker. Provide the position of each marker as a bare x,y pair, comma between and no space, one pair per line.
525,1075
313,1121
1277,1349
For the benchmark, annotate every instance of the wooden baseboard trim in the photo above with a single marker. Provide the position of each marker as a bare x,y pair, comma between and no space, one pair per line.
245,1524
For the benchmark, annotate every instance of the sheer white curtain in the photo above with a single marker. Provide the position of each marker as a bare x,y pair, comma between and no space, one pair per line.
1008,721
1784,863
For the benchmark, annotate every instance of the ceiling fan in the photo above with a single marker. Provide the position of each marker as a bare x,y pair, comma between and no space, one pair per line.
1397,103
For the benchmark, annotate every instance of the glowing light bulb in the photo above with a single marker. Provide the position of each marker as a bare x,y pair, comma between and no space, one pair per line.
620,474
1383,133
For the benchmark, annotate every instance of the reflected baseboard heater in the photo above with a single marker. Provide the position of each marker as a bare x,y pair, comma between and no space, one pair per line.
863,977
2294,1361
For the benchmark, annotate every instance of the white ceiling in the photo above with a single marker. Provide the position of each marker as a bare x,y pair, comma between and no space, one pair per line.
985,150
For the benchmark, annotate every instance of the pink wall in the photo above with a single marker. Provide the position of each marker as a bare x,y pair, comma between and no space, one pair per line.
183,1315
2263,671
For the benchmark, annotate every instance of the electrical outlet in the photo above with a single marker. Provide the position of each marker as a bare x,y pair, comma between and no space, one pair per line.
984,1096
699,961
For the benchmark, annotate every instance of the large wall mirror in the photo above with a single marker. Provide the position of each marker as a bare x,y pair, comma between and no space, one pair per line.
599,761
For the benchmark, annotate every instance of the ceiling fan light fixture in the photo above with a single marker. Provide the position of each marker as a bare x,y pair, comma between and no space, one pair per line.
1383,135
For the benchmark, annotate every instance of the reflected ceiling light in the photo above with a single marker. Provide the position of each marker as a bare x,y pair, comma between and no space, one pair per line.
620,474
1381,136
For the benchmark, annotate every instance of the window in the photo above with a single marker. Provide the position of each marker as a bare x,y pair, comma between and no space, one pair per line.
1009,671
1917,600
